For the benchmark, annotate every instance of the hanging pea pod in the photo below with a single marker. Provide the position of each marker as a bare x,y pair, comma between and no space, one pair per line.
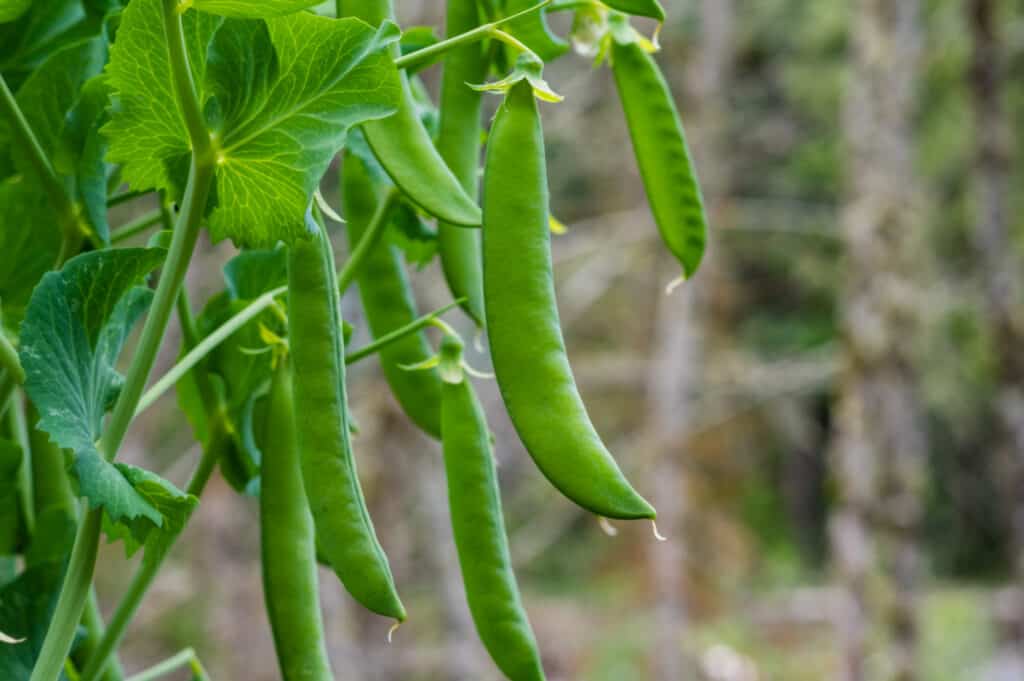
287,544
403,146
479,527
388,302
525,335
458,141
344,529
659,142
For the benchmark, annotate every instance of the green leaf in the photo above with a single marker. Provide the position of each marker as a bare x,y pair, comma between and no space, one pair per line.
29,244
146,131
26,607
244,376
279,96
75,326
51,91
253,9
82,154
12,9
639,8
174,507
38,33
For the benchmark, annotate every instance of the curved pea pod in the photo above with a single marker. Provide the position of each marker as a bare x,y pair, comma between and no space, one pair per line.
458,141
404,147
288,545
343,525
659,142
479,528
533,31
639,8
526,342
388,303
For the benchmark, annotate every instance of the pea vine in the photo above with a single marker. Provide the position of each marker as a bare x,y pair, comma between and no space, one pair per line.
231,112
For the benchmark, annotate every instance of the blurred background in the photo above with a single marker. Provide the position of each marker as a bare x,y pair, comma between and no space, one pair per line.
829,417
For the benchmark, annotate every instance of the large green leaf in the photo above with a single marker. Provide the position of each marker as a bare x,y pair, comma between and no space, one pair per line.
147,132
278,94
26,606
75,326
45,28
253,9
12,9
64,107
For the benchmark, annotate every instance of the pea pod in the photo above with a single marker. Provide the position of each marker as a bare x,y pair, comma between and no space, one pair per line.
479,528
388,303
288,545
659,142
343,525
526,342
458,141
403,146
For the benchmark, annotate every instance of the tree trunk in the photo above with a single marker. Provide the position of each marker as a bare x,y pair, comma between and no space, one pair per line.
677,349
1000,270
1000,266
879,443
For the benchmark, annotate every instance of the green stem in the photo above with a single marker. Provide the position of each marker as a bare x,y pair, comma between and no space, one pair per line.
124,197
139,224
9,359
366,244
477,34
73,596
184,86
92,620
25,138
399,333
185,657
186,232
151,562
19,429
83,556
204,347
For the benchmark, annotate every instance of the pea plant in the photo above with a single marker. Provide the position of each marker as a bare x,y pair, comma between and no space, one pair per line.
231,112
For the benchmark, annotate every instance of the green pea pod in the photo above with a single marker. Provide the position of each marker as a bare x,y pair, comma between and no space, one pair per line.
526,341
288,545
533,31
639,8
343,524
659,142
479,528
458,141
388,303
403,146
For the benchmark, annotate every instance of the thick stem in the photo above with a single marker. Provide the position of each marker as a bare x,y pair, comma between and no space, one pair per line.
186,232
71,604
83,557
184,86
151,563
